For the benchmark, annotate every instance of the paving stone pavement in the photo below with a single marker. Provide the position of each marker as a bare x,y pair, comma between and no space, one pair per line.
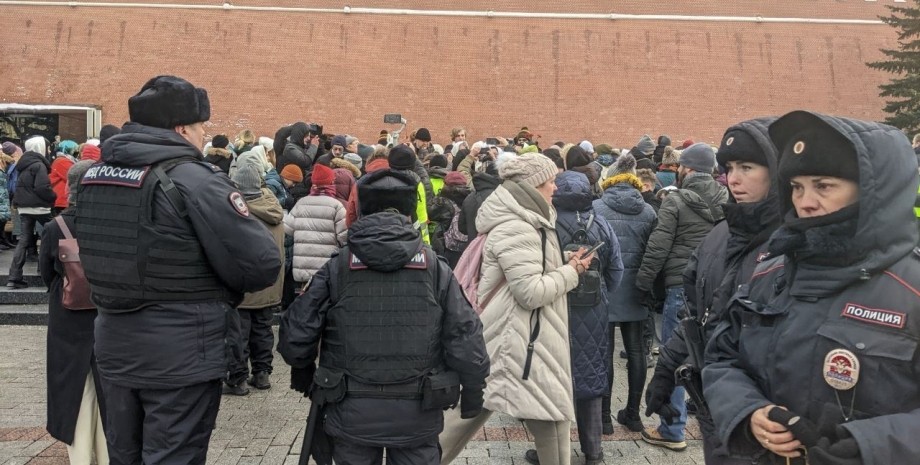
266,427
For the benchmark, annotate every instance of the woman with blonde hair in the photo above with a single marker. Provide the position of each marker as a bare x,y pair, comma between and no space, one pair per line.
244,141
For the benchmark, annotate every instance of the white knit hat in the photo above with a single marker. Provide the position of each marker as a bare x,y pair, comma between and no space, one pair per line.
530,168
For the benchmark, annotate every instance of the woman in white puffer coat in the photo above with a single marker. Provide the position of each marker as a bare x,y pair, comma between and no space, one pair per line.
317,223
528,273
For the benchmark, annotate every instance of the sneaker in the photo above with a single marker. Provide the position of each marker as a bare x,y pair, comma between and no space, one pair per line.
623,354
531,457
632,424
260,381
594,459
12,284
653,437
607,427
235,390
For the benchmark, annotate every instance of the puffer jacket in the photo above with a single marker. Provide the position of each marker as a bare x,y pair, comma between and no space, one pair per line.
483,185
317,223
633,221
588,328
266,208
58,178
33,188
684,219
513,261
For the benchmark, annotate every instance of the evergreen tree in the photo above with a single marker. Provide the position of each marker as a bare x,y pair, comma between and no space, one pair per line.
904,90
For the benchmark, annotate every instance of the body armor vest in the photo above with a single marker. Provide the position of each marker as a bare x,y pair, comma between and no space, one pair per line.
129,261
384,328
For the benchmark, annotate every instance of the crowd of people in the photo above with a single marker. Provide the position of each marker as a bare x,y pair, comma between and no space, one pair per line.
782,262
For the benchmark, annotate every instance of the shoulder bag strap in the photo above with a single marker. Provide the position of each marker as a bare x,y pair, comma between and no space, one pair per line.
535,316
64,229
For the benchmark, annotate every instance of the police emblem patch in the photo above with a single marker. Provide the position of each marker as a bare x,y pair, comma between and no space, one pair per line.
730,140
236,199
126,176
841,369
763,256
875,316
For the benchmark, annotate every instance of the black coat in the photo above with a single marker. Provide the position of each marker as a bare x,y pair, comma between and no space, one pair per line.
70,342
170,345
483,185
385,242
33,187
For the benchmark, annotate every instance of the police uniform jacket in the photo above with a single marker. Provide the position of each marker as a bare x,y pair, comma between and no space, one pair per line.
165,345
856,293
385,242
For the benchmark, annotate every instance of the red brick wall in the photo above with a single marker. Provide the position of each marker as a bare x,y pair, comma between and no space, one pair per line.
609,81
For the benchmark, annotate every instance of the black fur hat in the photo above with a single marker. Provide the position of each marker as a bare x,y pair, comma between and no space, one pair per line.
385,189
809,146
169,101
739,145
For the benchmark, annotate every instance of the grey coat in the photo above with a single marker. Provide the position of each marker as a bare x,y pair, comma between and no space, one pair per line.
684,219
632,220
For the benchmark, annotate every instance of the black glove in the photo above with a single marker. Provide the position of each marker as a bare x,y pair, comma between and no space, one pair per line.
658,396
843,452
800,427
470,402
302,378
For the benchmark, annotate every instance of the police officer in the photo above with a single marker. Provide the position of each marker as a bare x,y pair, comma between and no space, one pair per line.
818,354
168,247
396,334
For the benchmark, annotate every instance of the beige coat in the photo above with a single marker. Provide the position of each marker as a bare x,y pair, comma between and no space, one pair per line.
513,250
267,209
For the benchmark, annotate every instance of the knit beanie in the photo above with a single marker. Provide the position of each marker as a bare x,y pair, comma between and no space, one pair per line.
423,134
267,143
354,159
169,101
577,156
624,164
292,173
339,140
455,178
686,143
108,131
603,149
587,146
322,175
529,168
401,157
811,147
220,141
67,146
699,157
739,145
385,189
350,140
646,145
248,179
9,148
664,140
437,161
605,159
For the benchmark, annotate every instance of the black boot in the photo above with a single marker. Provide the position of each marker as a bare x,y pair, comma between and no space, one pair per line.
606,421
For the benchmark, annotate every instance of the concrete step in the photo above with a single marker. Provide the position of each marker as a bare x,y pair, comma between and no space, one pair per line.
31,295
33,279
24,315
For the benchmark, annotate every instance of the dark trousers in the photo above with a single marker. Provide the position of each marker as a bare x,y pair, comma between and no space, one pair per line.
26,242
348,453
160,426
588,420
633,340
257,341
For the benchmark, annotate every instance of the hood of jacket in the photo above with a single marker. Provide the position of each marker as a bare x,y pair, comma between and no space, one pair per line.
140,145
502,206
344,183
218,152
31,158
624,198
485,182
885,226
573,192
437,172
266,207
702,194
298,133
384,241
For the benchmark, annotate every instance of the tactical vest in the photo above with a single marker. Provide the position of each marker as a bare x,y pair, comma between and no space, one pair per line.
384,328
130,262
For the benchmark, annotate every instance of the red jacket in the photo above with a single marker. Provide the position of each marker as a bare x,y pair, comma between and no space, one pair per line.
58,177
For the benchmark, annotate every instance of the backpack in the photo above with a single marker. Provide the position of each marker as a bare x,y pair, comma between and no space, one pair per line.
75,293
454,240
467,274
587,293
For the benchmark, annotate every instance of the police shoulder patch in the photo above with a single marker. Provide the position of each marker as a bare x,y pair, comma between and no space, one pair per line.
239,204
105,174
875,316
